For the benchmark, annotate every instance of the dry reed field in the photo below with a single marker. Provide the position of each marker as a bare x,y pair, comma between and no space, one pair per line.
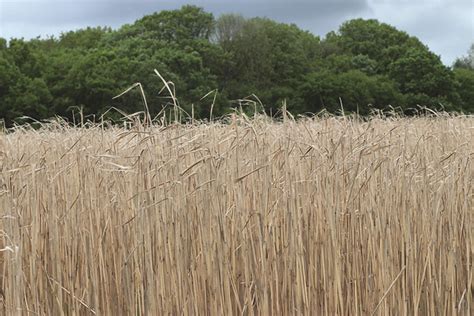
323,216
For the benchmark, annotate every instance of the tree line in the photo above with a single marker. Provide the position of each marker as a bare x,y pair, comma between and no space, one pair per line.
220,64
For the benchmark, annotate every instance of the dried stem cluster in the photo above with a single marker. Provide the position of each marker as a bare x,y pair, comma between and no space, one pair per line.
333,216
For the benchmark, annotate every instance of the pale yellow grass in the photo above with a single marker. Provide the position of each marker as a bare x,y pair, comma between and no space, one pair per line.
330,216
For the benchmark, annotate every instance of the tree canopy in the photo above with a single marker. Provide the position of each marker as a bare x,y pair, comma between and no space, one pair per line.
363,66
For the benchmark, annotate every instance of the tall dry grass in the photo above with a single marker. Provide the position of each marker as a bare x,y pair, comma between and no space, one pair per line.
329,216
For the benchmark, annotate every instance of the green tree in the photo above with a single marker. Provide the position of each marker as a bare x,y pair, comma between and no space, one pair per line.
30,62
87,38
188,23
21,95
464,74
227,29
8,75
465,79
3,44
269,59
357,92
420,72
467,61
378,41
378,48
366,64
177,43
29,97
88,82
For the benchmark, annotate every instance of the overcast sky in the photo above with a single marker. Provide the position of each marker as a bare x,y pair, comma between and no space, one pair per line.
446,26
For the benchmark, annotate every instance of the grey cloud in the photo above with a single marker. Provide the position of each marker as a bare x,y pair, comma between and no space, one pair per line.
291,10
45,13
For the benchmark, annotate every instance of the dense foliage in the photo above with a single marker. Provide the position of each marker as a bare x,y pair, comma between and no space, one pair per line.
231,62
